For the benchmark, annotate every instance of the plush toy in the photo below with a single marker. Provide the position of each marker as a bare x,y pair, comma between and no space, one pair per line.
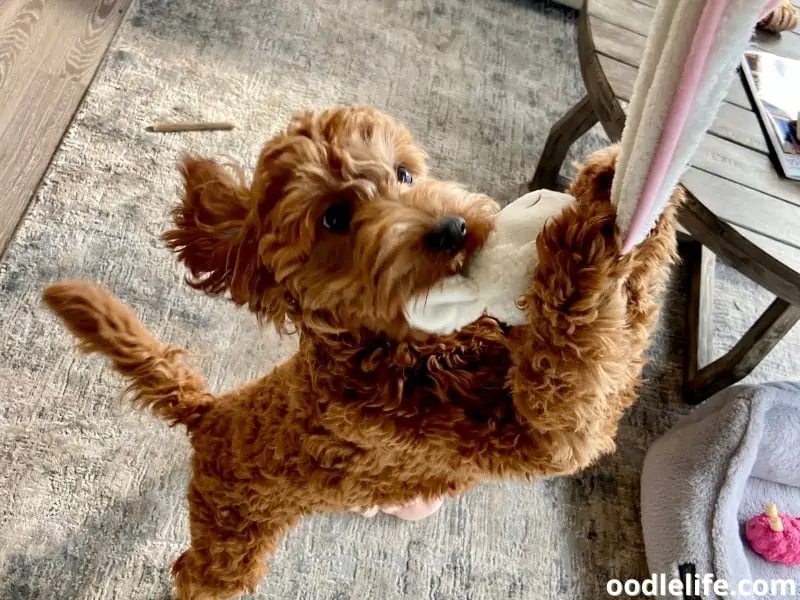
775,537
690,60
784,18
497,275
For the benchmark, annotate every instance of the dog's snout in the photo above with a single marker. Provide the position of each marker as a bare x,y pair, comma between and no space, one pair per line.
448,235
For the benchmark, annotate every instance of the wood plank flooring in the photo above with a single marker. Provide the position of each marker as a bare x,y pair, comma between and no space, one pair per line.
49,53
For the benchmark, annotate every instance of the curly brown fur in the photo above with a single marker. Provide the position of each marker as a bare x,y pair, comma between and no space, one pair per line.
369,412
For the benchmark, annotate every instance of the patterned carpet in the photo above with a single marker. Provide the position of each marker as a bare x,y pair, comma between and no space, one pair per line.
91,495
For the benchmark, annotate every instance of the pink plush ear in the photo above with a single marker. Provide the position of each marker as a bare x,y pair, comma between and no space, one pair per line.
704,37
689,62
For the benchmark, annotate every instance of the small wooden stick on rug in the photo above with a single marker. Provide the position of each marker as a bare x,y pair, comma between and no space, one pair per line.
191,126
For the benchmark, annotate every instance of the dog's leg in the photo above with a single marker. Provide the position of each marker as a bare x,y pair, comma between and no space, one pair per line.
229,549
651,259
572,361
651,267
591,314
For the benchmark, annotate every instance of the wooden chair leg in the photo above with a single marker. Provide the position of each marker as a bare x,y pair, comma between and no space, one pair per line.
569,128
767,331
700,262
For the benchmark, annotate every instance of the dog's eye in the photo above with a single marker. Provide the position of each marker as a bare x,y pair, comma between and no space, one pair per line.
403,176
337,217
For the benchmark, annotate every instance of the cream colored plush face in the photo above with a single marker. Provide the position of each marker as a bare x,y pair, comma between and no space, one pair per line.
498,274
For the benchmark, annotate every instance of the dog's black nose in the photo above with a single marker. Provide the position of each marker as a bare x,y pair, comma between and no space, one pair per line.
448,235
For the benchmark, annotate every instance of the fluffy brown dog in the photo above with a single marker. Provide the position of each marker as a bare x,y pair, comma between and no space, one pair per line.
337,230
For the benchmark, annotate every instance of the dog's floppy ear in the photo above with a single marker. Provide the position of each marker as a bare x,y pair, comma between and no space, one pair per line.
217,234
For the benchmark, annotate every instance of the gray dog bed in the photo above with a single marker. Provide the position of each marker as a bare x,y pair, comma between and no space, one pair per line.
713,471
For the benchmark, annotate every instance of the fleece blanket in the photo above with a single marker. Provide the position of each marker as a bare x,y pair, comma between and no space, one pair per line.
714,470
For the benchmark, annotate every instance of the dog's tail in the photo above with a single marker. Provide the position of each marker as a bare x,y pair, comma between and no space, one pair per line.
159,380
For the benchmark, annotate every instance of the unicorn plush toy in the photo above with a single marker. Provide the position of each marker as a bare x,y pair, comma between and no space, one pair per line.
689,63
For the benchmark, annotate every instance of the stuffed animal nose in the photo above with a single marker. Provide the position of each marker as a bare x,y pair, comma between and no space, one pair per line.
448,235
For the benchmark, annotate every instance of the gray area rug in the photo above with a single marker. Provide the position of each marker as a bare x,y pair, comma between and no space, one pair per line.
91,494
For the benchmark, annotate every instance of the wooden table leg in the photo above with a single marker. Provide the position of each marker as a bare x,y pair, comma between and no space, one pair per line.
700,262
563,134
767,331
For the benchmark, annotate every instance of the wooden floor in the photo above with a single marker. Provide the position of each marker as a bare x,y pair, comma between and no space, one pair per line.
49,53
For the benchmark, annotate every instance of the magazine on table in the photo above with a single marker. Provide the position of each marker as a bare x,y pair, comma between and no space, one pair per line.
774,83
